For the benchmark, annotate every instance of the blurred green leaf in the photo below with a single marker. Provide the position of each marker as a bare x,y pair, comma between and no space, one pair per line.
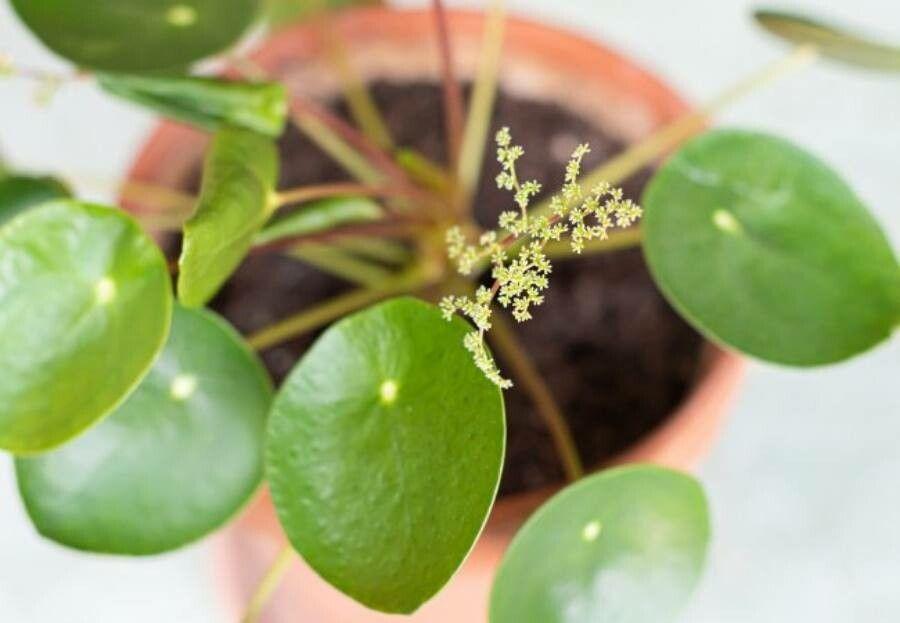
85,306
236,199
763,247
832,41
137,35
20,192
384,452
318,216
283,12
175,461
626,545
206,102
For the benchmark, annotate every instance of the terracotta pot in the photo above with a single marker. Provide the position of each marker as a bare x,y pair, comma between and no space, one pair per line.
539,63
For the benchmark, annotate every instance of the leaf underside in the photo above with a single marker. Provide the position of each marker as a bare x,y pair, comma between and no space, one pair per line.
832,41
239,178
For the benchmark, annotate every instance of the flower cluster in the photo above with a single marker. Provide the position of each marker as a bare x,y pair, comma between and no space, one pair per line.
521,279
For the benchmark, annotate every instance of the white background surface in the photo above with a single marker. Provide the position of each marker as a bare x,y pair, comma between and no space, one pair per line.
804,482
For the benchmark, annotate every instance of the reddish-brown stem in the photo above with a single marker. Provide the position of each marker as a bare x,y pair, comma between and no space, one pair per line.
387,228
351,135
453,101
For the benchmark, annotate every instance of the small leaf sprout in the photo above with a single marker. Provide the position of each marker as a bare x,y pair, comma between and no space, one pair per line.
521,279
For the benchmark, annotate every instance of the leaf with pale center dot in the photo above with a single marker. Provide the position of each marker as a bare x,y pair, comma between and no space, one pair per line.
626,545
137,35
174,462
85,307
763,247
20,192
384,452
236,199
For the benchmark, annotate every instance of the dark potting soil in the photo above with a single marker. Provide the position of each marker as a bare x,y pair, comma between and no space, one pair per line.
614,354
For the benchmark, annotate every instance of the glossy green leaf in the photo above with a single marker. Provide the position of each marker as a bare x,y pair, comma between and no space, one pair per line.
626,545
384,452
137,35
282,12
85,307
833,41
318,216
763,247
20,192
239,178
174,462
206,102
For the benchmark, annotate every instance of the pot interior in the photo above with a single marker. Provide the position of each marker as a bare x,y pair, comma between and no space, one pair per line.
614,354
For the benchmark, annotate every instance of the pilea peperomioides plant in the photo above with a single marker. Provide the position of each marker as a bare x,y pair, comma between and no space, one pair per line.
140,423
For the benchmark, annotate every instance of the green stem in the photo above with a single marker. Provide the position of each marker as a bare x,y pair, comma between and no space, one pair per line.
324,313
341,264
362,105
423,171
162,198
268,584
481,106
323,191
341,151
649,149
390,227
504,339
387,251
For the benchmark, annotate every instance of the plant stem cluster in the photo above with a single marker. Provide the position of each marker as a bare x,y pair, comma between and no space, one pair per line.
520,279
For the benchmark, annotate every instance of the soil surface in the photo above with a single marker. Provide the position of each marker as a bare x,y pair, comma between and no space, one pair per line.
614,354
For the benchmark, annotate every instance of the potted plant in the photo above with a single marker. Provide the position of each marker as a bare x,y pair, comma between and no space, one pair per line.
141,424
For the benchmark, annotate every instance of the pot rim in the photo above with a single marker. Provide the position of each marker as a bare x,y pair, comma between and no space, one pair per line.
685,435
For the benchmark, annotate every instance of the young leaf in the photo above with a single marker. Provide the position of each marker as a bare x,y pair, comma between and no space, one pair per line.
320,216
763,247
832,41
383,454
138,35
283,12
239,179
626,545
206,102
85,306
175,461
20,192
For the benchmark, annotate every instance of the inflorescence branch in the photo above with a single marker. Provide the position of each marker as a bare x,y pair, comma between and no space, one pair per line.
520,280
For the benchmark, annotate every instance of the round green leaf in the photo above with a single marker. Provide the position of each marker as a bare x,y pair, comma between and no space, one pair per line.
136,35
384,452
209,103
239,178
626,545
174,462
85,307
763,247
20,192
833,41
317,216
